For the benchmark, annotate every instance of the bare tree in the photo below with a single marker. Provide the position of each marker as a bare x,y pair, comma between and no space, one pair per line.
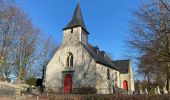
47,48
21,48
149,38
7,31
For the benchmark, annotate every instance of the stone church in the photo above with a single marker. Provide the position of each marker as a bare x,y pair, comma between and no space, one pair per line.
78,63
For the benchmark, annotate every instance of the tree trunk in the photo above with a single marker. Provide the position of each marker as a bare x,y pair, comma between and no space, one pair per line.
168,79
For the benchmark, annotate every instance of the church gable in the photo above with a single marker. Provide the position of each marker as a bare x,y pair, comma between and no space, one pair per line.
124,66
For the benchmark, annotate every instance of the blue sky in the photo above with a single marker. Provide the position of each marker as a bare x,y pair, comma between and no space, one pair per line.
106,20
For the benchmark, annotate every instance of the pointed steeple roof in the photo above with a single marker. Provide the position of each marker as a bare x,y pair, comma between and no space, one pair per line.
77,20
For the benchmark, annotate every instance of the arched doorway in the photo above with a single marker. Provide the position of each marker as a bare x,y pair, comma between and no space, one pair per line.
67,83
125,85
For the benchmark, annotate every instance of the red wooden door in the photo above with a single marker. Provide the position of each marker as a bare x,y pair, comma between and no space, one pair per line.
67,83
125,85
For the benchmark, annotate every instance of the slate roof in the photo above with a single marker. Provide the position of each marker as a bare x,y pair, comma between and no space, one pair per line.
122,65
77,20
99,56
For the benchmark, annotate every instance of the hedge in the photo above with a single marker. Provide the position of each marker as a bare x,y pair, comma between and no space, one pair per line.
107,97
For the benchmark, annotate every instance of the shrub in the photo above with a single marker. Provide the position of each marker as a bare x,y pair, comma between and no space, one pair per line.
31,81
84,90
34,81
39,82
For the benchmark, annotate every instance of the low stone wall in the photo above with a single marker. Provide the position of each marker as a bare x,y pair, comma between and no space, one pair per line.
6,91
107,97
9,89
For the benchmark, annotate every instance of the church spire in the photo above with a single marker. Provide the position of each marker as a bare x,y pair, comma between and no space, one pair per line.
77,20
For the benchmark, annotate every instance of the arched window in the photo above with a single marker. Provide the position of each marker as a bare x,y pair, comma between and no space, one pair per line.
108,74
116,79
70,60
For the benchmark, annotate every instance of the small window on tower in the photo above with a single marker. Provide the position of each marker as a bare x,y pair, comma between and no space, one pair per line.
71,30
